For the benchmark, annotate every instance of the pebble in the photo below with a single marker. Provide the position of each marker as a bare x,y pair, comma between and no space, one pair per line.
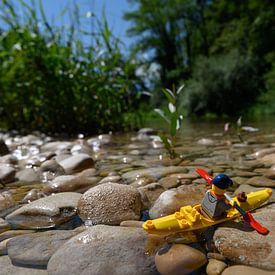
70,183
178,259
215,267
7,174
77,163
124,203
45,212
261,182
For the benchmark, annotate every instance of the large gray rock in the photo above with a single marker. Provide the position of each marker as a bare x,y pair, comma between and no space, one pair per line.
45,212
4,226
70,183
242,245
155,172
36,249
170,201
7,174
104,250
110,203
28,175
77,163
8,268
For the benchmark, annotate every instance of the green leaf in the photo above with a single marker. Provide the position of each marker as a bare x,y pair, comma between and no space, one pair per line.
170,96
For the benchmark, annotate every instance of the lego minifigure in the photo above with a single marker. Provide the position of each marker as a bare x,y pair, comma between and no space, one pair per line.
214,204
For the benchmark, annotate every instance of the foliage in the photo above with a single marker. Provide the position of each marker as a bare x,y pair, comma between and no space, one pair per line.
172,118
52,82
222,47
223,85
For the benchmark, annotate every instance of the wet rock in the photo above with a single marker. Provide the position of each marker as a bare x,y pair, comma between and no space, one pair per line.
206,142
178,259
142,181
4,150
137,224
170,201
110,203
70,183
82,147
56,146
216,256
263,152
245,270
270,174
104,250
8,268
77,163
215,267
150,193
28,175
12,233
170,182
155,172
36,249
238,243
261,182
3,247
9,159
91,172
45,212
4,226
7,174
114,179
33,195
53,167
268,159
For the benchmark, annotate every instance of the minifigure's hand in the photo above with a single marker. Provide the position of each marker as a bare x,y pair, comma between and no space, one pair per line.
242,197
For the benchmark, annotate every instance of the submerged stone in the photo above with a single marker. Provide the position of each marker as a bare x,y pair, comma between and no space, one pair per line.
45,212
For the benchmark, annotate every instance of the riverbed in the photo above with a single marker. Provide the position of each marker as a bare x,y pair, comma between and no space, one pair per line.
76,205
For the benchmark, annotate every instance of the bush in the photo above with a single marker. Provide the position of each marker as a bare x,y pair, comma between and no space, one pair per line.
228,84
51,82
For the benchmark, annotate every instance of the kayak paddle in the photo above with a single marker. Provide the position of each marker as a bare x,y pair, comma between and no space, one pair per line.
247,216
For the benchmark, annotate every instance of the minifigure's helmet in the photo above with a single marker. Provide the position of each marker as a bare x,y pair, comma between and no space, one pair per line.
222,181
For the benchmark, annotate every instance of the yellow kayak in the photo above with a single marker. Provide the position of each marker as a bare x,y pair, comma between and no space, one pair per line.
190,218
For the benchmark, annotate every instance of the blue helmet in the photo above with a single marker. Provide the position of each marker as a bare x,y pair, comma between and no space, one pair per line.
222,181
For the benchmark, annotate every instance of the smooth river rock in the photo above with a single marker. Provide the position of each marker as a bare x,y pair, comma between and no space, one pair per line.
104,249
242,245
179,259
77,163
170,201
261,182
70,183
45,212
7,268
7,174
110,203
36,249
245,270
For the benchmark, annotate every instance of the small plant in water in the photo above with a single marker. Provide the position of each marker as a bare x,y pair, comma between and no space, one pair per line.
172,118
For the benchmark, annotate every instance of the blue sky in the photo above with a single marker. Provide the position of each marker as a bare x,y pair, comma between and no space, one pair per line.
114,10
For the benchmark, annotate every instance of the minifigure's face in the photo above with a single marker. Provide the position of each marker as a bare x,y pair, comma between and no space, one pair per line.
217,190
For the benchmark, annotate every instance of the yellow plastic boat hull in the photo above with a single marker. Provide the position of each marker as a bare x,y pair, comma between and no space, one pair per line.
189,218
